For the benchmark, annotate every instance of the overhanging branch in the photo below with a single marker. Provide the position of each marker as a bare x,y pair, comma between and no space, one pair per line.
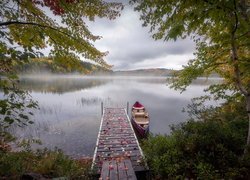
7,23
39,25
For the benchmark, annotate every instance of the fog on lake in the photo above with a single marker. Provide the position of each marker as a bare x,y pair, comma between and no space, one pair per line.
69,111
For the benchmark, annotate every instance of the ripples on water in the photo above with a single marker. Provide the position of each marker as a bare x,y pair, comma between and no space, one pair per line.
70,107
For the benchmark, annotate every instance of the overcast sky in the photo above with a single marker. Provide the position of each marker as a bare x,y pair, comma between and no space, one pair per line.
131,46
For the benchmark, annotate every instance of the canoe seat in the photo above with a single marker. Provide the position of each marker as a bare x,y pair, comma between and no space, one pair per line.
140,114
141,120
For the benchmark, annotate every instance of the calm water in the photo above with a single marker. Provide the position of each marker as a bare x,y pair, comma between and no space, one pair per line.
70,107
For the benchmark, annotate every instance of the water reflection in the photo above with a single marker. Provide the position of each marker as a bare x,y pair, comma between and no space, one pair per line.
58,84
70,107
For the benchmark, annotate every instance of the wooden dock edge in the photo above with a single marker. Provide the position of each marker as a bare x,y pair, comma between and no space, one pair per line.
143,157
97,141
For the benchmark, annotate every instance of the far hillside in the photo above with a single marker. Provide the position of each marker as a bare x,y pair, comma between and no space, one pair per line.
57,66
146,72
153,72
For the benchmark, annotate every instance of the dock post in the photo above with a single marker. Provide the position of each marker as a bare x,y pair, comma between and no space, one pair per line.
102,108
127,107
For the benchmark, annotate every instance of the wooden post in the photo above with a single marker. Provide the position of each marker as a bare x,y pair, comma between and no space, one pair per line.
102,108
127,107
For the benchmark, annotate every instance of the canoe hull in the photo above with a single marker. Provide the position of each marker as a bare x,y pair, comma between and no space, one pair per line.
140,131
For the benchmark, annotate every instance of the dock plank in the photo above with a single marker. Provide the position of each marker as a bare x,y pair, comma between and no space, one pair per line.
113,174
122,174
118,169
130,172
105,170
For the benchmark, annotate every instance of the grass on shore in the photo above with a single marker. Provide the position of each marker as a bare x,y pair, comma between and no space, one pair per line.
47,163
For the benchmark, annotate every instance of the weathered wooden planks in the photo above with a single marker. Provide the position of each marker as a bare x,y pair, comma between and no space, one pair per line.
117,140
117,169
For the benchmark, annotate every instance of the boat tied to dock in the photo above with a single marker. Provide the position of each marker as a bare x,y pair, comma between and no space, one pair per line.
140,120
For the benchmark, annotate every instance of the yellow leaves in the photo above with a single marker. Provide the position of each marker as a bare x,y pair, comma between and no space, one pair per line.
33,28
27,36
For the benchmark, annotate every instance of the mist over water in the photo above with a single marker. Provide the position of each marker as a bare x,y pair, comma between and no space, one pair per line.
70,107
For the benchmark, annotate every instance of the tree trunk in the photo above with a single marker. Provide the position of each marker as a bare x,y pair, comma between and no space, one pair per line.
246,151
237,74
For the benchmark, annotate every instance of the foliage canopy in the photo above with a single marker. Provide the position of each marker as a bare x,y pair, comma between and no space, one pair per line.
216,26
29,26
221,32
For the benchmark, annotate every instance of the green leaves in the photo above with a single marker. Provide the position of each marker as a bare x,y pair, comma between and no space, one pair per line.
208,149
8,120
15,106
211,24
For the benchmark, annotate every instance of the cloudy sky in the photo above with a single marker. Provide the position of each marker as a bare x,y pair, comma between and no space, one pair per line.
131,46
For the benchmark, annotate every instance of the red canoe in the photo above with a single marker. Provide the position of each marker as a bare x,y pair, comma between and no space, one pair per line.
140,120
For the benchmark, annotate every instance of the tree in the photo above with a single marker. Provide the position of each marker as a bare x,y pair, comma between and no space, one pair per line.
29,26
221,32
32,25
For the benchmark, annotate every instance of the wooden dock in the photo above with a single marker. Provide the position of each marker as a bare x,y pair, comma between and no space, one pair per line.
117,147
117,169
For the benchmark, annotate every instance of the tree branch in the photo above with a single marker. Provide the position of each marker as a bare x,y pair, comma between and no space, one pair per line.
234,55
236,19
7,23
36,24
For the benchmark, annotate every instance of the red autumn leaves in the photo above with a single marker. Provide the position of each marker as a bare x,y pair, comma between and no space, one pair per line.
54,5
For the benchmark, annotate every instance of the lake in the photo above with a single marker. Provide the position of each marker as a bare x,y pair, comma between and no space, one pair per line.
70,107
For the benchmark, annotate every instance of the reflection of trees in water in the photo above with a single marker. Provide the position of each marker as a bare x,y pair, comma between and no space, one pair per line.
36,130
149,80
88,101
207,81
166,80
45,121
50,109
93,101
59,85
62,84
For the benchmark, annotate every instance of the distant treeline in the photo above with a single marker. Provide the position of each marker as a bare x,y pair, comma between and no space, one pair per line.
153,72
65,65
58,66
146,72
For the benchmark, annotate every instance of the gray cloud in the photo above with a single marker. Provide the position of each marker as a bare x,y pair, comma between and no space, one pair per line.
131,47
